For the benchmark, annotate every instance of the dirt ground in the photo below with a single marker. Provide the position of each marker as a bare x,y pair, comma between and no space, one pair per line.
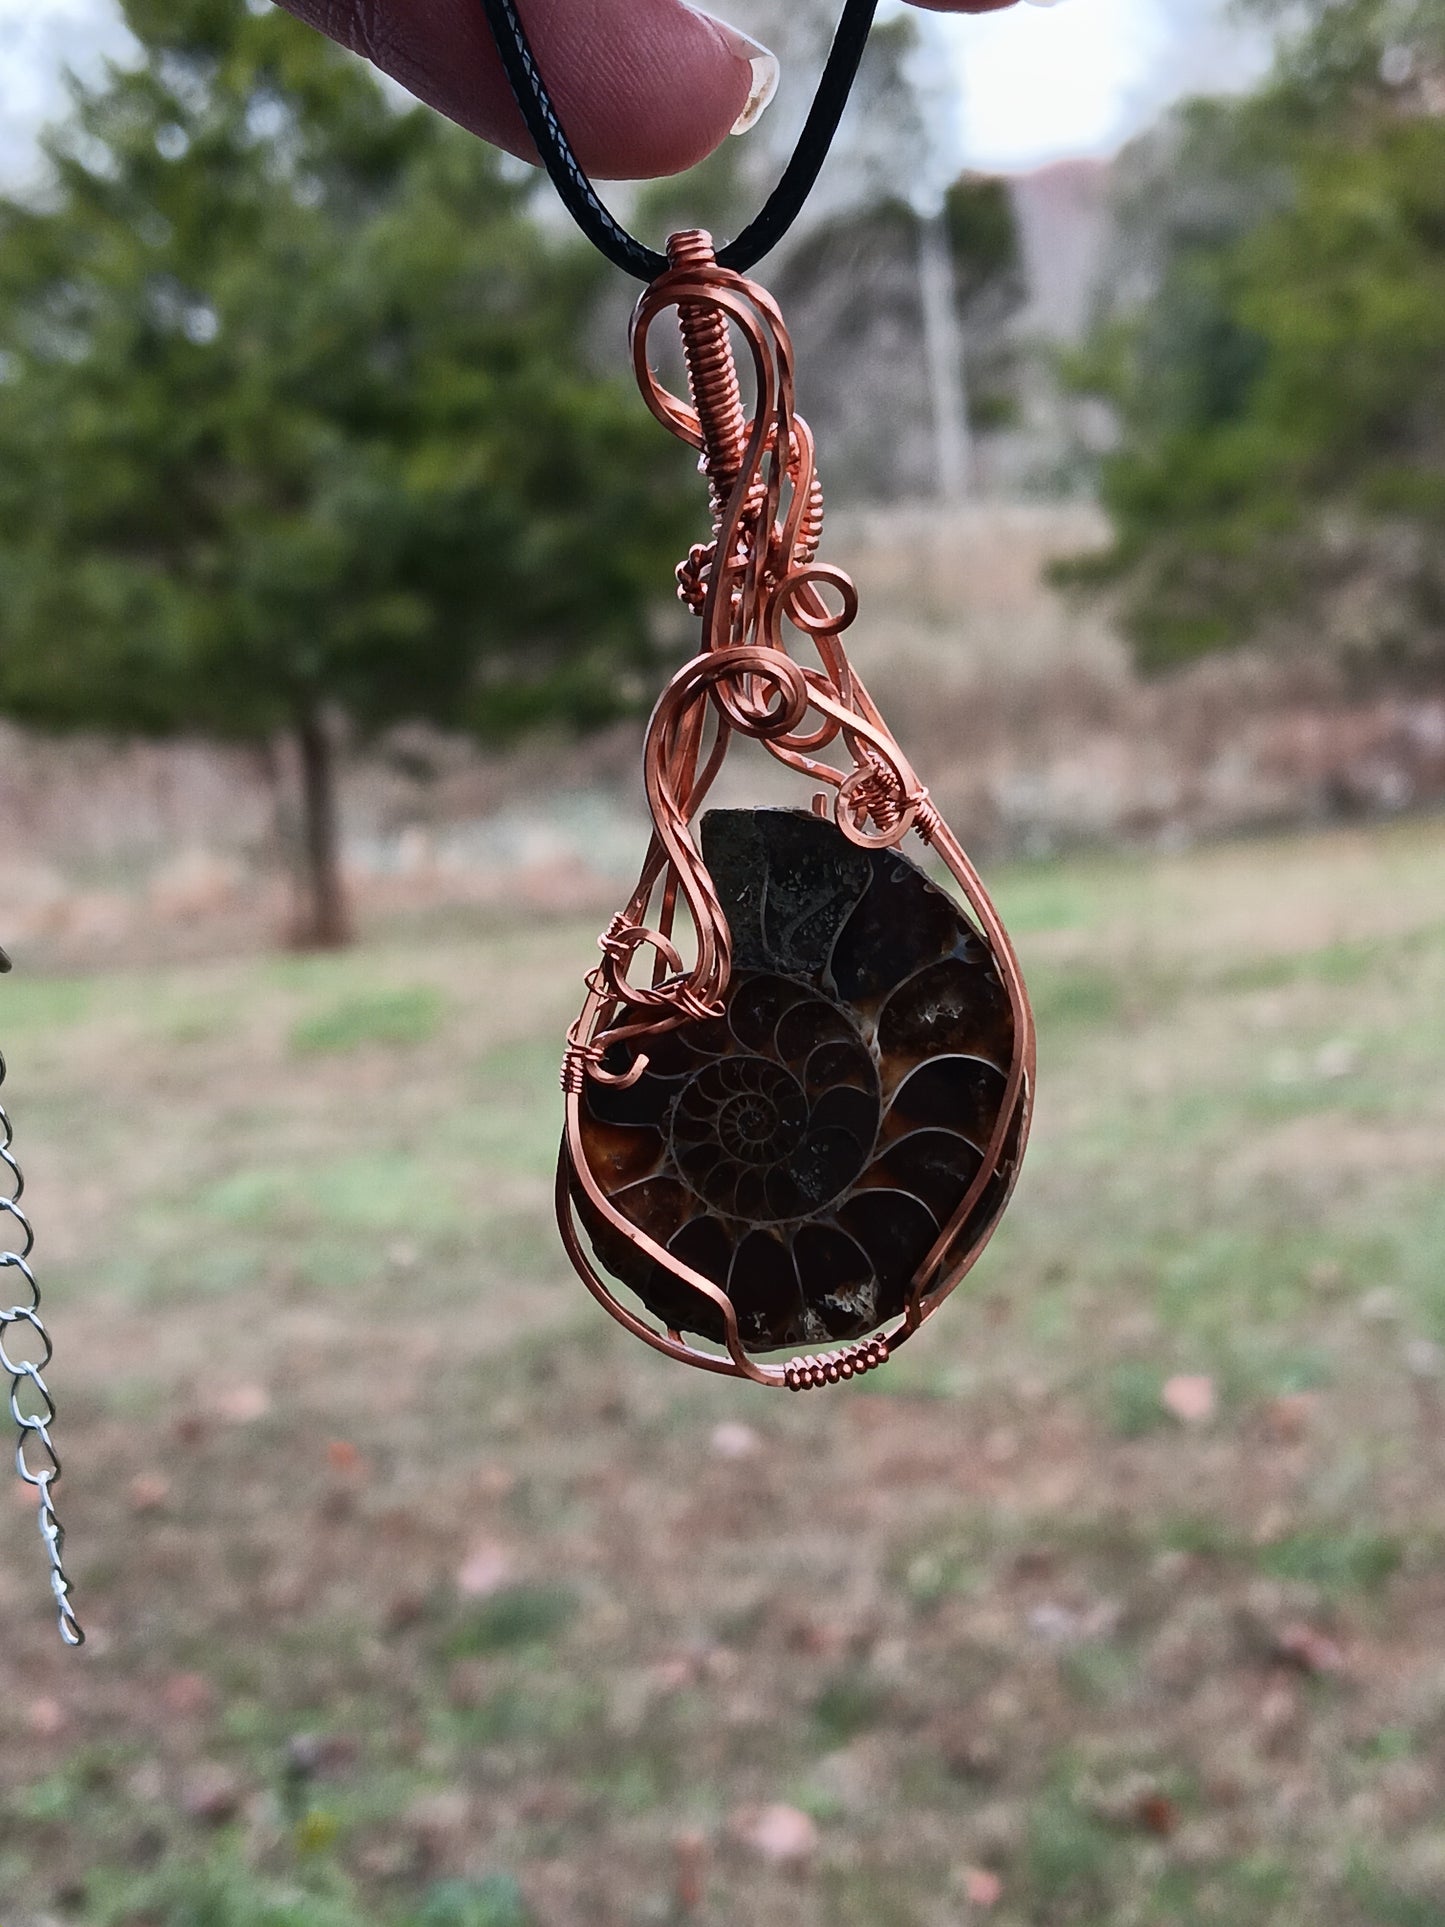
417,1593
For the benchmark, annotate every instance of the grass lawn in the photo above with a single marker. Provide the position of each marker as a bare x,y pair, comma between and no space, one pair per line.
421,1595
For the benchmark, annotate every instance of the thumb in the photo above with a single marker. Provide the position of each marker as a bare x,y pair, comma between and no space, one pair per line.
644,88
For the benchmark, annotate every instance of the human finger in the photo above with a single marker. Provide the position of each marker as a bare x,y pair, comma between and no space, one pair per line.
648,97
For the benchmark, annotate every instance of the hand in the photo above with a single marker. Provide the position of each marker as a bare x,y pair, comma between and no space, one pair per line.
644,88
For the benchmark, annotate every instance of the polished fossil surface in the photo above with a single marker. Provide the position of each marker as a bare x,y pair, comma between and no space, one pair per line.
807,1150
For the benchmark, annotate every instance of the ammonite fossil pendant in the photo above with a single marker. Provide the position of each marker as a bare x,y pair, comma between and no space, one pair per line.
808,1148
806,1136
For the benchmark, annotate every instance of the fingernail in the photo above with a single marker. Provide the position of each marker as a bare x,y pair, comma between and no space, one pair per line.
764,64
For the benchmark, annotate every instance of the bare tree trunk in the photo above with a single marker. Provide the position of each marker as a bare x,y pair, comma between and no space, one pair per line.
324,923
943,358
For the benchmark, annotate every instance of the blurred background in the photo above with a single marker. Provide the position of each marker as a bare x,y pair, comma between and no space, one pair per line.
334,555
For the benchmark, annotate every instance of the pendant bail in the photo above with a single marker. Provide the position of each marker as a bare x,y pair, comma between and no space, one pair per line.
712,375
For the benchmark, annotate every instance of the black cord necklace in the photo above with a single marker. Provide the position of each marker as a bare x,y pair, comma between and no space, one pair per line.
579,196
804,1131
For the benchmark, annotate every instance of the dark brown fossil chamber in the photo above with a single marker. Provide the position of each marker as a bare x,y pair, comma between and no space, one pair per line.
806,1150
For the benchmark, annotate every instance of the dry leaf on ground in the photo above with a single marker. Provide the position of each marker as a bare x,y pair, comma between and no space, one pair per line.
242,1404
485,1570
45,1718
780,1834
211,1793
732,1440
1311,1650
981,1888
1189,1397
186,1694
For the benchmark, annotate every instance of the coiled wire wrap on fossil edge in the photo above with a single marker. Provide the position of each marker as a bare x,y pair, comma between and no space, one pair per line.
810,1129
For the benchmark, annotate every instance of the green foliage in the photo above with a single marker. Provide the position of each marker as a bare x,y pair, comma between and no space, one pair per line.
937,1571
296,418
848,1705
982,232
979,214
1075,996
294,411
524,1615
1281,395
1389,1905
382,1017
222,1891
1067,1855
495,1901
1135,1404
1338,1559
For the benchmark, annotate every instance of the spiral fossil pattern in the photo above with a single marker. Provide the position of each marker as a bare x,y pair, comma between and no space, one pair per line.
806,1150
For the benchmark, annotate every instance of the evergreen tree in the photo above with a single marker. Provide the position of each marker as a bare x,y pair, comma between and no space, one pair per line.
296,426
1281,392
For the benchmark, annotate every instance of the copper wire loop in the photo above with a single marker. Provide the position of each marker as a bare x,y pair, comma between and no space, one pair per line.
756,584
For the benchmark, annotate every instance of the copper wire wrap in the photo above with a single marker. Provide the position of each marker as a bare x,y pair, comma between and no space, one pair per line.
809,1374
759,590
712,375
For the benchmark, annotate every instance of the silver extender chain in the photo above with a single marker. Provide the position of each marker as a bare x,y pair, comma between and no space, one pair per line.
25,1351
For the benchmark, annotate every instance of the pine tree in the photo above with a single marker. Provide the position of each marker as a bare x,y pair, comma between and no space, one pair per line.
296,423
1280,476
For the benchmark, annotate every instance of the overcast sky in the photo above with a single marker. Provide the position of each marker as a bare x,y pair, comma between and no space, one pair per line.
1038,83
1041,84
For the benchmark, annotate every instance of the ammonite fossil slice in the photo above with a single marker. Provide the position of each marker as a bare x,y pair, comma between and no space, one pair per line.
808,1149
